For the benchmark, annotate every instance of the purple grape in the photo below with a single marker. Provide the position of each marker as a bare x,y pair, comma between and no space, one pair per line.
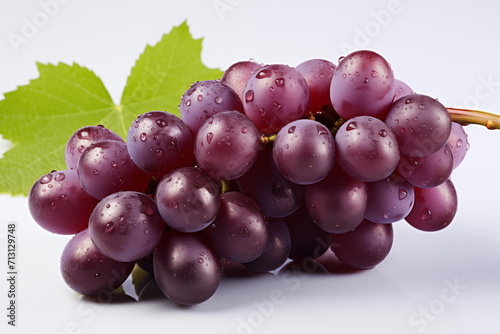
318,74
227,145
304,151
187,199
59,204
274,96
237,75
240,232
83,138
421,124
401,89
434,208
277,196
186,269
337,204
365,247
389,200
159,142
308,241
126,226
207,98
459,144
106,168
88,271
429,171
277,250
367,149
362,85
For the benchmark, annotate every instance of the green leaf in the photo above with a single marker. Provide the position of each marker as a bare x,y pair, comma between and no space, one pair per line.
40,117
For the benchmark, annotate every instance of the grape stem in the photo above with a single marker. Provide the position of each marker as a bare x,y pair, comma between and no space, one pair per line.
470,116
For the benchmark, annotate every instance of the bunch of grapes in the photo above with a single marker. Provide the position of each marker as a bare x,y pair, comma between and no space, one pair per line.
268,164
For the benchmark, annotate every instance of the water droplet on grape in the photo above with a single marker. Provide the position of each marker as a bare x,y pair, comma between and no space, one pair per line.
83,134
143,137
460,143
408,101
280,82
218,100
81,148
291,130
421,106
265,73
382,133
374,74
244,130
249,95
188,102
352,126
97,276
200,260
426,214
95,172
344,75
365,80
159,152
199,97
161,123
46,179
402,194
263,112
321,130
210,136
59,177
109,227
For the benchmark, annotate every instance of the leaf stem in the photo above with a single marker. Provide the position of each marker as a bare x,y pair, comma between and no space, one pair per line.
470,116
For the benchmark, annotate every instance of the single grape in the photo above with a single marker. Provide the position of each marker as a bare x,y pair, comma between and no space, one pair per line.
429,171
277,250
88,271
106,168
277,196
401,89
237,75
274,96
304,151
83,138
59,204
318,74
227,145
421,124
187,199
159,142
207,98
186,269
337,204
126,226
240,232
308,241
362,85
389,200
459,143
367,149
434,208
365,247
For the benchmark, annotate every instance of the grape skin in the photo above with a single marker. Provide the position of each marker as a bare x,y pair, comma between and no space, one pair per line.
237,75
367,149
187,199
227,145
59,204
304,151
459,143
274,96
126,226
106,168
159,142
186,269
88,271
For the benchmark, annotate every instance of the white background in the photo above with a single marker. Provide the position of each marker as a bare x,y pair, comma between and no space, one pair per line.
444,282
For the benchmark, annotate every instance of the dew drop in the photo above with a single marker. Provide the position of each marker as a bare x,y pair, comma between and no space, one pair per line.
200,260
291,130
408,101
218,100
210,136
280,82
426,214
344,75
365,80
382,133
46,179
387,215
402,194
249,95
421,106
321,131
81,148
352,126
95,172
374,74
265,73
59,177
161,123
263,112
97,276
143,137
188,102
109,227
244,130
199,97
460,143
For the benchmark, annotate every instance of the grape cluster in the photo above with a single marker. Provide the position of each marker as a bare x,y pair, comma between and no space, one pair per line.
268,164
